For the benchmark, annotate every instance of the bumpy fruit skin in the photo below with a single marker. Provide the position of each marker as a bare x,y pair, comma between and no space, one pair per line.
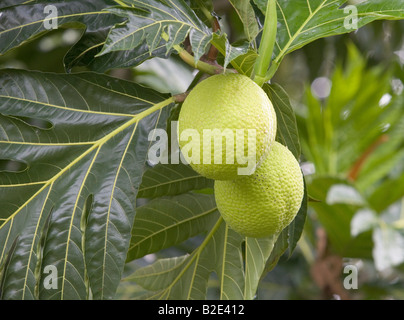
266,202
223,102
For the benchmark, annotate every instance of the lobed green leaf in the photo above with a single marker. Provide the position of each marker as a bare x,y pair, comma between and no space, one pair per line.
148,22
72,208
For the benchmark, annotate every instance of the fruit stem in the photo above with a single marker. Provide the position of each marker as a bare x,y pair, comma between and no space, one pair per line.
200,65
190,59
267,44
178,98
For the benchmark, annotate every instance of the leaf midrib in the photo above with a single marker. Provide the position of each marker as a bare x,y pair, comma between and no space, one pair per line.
181,179
50,182
298,32
41,21
31,251
183,221
195,255
96,145
67,108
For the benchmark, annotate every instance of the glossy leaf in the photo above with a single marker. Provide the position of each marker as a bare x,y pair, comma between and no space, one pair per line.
287,132
290,236
301,22
247,16
257,254
171,179
168,221
244,63
24,22
221,251
72,209
10,3
150,22
295,229
230,52
83,53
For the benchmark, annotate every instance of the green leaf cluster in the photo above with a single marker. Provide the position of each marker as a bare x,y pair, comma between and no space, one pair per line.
355,143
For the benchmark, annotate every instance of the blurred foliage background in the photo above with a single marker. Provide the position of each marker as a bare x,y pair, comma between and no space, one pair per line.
347,92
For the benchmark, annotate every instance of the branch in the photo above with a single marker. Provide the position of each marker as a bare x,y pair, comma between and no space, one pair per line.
213,51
